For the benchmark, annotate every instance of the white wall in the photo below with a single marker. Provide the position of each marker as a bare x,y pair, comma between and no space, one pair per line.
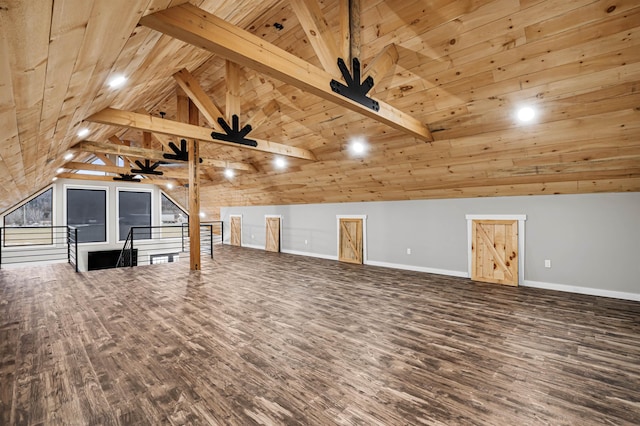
592,240
112,243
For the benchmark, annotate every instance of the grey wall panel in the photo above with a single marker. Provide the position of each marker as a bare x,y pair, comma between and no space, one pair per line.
592,240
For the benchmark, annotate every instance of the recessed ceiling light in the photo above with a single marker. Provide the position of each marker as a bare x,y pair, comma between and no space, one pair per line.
358,147
60,170
83,132
526,114
201,214
229,173
54,179
68,156
280,162
117,81
170,185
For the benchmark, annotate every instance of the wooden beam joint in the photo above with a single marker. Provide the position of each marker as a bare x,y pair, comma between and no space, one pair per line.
198,27
234,134
354,89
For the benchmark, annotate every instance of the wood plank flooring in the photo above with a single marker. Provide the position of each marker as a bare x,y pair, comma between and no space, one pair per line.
270,338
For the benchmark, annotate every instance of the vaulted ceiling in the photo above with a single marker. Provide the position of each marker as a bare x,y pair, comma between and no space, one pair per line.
457,69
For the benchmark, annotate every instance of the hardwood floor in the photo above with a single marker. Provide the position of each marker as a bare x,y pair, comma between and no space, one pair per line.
269,338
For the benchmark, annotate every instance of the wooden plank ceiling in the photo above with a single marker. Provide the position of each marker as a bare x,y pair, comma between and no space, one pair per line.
458,69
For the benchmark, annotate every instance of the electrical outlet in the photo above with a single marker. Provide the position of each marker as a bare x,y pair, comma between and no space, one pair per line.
547,263
408,251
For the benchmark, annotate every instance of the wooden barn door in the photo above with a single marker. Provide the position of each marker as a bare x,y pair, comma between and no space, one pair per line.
494,251
236,230
273,234
350,247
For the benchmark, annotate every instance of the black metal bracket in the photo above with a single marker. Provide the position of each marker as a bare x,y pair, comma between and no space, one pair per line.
235,134
355,90
180,154
127,178
147,168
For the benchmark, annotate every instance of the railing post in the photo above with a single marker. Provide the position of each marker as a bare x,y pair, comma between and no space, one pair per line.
131,248
211,239
182,236
68,244
221,232
75,246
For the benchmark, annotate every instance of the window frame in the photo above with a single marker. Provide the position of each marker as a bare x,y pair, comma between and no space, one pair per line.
27,200
164,194
117,211
106,208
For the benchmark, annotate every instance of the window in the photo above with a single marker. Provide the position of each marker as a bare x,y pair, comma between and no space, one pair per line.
87,210
172,214
134,209
35,213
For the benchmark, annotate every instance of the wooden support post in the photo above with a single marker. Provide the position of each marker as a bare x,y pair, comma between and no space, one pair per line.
354,27
233,90
146,140
194,194
187,112
194,205
344,44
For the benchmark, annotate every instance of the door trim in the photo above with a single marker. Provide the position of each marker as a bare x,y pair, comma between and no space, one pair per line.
279,216
521,218
240,216
364,234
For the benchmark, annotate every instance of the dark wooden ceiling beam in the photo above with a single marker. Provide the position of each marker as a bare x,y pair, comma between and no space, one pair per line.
200,28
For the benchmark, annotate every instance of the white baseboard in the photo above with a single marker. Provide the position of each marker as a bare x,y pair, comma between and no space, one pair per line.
418,268
253,246
461,274
582,290
309,254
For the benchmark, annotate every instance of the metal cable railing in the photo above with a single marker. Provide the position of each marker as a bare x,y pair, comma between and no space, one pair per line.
72,246
147,245
144,245
28,244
